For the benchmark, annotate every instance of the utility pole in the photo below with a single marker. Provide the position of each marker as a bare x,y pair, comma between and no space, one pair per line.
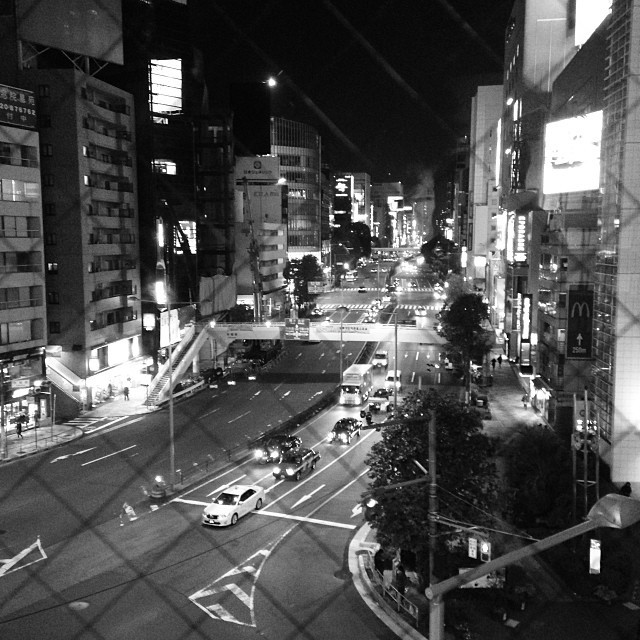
254,260
433,496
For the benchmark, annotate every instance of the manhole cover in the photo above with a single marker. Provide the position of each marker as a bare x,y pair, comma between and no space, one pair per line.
78,606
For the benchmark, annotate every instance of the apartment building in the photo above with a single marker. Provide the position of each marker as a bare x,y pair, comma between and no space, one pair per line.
23,316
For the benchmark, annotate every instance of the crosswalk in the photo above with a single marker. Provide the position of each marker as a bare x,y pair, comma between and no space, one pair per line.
361,306
90,424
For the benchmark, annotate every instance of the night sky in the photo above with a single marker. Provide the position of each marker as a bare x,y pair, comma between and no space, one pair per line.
386,82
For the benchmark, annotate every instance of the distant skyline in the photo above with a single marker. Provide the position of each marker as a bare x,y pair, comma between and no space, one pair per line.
388,84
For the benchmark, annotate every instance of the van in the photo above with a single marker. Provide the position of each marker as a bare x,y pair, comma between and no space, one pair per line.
380,359
393,378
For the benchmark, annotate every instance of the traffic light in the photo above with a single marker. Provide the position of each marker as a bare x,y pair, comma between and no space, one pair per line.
485,550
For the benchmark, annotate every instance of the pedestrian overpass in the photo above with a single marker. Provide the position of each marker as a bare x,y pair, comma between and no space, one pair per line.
206,341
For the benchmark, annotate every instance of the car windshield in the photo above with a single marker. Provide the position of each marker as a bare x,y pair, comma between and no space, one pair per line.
227,499
381,393
350,388
380,356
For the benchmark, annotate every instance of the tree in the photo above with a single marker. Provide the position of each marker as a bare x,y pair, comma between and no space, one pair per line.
463,325
538,470
467,476
302,271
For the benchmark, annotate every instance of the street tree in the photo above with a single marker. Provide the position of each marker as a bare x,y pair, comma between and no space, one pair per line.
466,474
464,326
302,271
539,472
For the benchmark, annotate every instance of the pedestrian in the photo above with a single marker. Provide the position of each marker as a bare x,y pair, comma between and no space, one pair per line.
525,400
625,489
400,581
500,361
493,364
125,391
19,427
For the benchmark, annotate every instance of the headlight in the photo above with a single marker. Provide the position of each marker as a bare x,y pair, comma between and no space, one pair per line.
274,455
330,437
343,437
289,472
276,470
257,453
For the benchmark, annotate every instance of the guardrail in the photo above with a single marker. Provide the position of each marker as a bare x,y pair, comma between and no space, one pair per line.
387,593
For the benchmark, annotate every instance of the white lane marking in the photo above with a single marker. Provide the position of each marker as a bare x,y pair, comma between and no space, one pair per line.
204,415
288,516
69,455
224,486
119,426
7,566
309,495
115,453
102,427
417,355
286,394
200,503
246,413
257,393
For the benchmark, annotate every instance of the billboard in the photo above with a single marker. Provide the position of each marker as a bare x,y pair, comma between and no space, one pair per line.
17,107
579,324
572,154
88,27
263,169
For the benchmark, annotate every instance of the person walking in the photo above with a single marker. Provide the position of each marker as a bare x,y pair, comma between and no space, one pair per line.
500,361
125,392
493,364
19,427
525,400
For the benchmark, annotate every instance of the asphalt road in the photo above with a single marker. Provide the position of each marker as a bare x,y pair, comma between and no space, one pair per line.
280,572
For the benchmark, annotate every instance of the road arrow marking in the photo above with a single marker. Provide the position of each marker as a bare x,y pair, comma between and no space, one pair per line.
230,597
356,511
309,495
285,395
68,455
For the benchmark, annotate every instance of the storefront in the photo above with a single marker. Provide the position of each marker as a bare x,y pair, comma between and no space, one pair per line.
24,390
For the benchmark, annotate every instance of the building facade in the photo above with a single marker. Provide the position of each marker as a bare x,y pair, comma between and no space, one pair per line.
23,316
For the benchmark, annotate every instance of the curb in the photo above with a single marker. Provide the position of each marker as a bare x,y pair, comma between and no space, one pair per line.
363,585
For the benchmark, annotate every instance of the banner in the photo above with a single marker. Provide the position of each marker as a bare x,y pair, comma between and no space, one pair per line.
579,324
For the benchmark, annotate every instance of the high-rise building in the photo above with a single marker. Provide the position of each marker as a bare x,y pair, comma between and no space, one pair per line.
298,146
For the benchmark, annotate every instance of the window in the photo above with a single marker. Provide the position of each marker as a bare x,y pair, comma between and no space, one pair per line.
51,239
49,209
87,180
52,267
47,150
85,150
44,121
53,297
48,180
43,90
54,327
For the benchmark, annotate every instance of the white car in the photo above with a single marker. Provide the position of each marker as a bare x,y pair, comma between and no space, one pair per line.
380,359
231,504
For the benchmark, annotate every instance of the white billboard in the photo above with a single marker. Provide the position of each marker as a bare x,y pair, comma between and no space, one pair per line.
572,154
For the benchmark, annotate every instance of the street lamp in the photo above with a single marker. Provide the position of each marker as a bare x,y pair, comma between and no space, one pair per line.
613,511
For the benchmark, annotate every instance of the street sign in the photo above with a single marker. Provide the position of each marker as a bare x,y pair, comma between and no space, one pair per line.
296,329
473,548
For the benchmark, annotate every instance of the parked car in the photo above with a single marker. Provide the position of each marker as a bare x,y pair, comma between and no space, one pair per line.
381,400
344,430
295,463
272,448
231,504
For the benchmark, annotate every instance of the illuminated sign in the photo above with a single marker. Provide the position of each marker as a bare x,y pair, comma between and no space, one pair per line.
525,325
17,107
520,238
589,16
579,324
572,154
262,169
